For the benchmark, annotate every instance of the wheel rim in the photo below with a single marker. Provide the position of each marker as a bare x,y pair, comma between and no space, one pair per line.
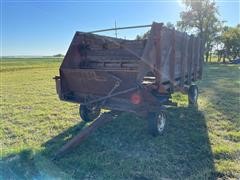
88,114
195,95
93,112
161,122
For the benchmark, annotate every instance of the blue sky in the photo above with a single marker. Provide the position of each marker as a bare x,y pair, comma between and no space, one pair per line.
47,27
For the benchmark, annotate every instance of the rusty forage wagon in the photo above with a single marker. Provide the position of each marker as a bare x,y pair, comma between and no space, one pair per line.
131,75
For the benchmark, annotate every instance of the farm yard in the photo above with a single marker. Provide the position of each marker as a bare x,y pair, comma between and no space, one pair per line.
202,144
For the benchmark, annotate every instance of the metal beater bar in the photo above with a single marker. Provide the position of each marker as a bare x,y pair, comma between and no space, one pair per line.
113,29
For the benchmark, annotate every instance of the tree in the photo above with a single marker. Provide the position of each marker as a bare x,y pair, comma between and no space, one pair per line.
170,25
58,55
146,34
201,17
231,40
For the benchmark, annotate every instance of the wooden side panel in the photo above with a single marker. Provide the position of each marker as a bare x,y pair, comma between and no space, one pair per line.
195,60
183,59
174,54
179,44
166,53
179,54
189,62
201,59
172,60
158,61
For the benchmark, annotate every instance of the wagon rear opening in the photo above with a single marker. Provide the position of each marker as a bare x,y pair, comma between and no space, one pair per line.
130,75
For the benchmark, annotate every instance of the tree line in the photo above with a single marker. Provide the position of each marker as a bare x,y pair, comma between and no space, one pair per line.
201,17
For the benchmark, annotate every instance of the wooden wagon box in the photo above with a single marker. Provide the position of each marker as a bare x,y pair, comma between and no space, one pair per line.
130,75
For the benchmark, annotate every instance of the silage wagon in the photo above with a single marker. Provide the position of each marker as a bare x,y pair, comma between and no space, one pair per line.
137,76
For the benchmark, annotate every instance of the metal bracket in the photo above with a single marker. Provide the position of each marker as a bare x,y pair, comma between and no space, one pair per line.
116,85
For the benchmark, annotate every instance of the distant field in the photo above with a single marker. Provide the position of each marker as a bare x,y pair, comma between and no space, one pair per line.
196,145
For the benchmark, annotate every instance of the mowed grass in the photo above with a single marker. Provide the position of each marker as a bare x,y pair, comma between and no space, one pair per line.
202,144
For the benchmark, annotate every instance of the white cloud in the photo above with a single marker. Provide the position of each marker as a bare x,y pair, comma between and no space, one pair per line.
180,3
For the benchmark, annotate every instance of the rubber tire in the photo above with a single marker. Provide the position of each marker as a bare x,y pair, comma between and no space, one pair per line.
192,102
87,114
153,123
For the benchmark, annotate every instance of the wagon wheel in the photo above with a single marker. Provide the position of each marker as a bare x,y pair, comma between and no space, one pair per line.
193,96
156,123
89,114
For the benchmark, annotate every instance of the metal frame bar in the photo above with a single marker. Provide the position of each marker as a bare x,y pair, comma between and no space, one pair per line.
111,95
120,28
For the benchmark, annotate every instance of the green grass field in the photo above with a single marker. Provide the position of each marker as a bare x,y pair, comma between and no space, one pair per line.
202,144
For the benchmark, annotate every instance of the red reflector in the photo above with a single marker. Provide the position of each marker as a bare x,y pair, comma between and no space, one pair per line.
136,99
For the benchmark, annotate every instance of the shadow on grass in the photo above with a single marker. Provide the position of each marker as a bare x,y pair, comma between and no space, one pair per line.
221,88
122,149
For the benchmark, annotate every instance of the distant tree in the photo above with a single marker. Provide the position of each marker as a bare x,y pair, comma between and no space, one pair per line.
231,40
201,17
58,55
146,34
138,37
170,25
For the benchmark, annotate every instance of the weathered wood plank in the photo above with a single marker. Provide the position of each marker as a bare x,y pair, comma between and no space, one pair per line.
183,59
158,33
172,60
195,59
201,59
189,63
